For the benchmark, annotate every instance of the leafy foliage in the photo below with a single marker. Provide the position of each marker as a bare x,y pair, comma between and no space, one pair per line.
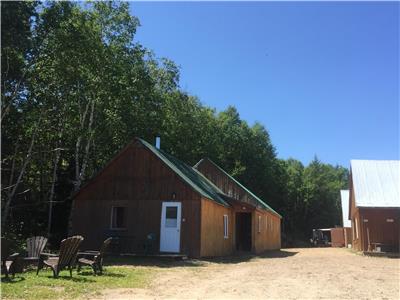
77,87
311,196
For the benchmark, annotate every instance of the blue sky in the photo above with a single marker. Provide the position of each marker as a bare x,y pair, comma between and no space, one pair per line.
321,77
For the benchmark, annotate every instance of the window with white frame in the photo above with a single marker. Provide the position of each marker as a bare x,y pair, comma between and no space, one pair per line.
226,226
118,217
259,224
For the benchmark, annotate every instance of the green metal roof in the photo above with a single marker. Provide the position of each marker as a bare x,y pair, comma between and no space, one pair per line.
261,203
189,174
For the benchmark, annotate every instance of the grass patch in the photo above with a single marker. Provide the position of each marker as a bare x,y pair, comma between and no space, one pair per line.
29,286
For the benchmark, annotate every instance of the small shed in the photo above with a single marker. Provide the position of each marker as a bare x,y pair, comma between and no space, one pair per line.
150,201
337,237
332,237
374,205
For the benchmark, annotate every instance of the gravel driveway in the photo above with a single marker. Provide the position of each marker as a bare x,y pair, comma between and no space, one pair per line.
307,273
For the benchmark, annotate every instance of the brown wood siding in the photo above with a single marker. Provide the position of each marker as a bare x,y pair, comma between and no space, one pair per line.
351,197
376,229
337,237
357,239
353,208
267,236
139,181
224,183
213,242
355,218
348,237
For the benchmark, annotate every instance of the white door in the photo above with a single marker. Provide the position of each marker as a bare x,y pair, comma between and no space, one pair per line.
170,231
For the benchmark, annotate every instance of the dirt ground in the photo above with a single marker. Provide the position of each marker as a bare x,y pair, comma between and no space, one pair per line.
308,273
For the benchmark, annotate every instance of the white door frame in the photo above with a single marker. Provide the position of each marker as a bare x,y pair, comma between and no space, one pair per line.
170,236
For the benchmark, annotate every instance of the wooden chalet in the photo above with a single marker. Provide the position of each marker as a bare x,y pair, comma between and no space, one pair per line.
151,202
374,206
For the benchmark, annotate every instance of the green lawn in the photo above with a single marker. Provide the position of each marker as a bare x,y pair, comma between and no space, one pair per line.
29,286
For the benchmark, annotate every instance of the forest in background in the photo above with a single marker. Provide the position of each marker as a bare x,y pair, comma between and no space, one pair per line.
76,87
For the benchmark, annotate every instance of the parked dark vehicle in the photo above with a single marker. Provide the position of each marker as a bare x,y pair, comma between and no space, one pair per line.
321,237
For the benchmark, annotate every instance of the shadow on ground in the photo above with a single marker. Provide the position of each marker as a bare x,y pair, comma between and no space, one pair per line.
170,262
161,262
106,273
245,257
74,279
16,279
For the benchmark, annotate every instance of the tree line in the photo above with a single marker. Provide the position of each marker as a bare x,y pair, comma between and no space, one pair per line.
76,87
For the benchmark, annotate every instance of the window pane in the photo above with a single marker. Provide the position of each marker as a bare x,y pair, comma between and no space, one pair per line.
171,223
114,217
118,217
226,226
171,212
171,216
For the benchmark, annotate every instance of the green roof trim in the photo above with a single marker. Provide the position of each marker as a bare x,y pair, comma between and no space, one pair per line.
261,202
189,174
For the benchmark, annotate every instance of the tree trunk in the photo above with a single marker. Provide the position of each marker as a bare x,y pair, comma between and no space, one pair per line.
53,183
11,193
80,171
51,195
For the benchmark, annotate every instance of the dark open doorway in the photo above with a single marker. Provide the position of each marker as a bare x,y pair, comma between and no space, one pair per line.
243,231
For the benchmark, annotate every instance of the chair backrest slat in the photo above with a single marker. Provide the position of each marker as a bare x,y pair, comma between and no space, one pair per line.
35,245
103,249
69,249
105,245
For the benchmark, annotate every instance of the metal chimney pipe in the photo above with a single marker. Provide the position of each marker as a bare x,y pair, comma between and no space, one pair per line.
158,141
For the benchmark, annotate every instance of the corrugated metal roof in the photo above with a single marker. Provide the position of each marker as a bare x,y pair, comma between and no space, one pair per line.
190,175
344,196
376,182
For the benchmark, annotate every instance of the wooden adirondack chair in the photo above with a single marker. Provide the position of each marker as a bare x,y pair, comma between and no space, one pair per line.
8,261
35,246
94,258
66,259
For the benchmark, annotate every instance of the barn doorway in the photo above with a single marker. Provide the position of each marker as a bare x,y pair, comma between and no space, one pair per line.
243,231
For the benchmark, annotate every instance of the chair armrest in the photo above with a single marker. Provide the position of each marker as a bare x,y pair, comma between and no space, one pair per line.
88,253
13,256
45,254
91,252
